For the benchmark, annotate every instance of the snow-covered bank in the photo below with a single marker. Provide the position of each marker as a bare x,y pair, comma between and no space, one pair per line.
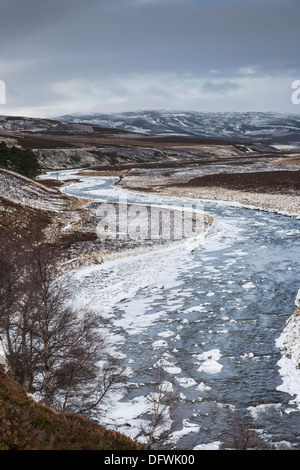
18,189
101,287
283,204
142,225
122,277
289,344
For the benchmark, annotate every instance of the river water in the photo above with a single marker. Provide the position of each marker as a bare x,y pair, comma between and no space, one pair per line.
211,317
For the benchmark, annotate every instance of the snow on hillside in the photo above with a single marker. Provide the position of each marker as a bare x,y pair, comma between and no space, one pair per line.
27,124
20,190
248,126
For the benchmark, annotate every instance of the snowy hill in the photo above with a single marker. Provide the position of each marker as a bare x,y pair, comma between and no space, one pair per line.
248,126
17,189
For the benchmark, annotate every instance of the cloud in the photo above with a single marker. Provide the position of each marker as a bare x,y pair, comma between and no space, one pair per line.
223,86
247,71
167,91
12,66
160,91
167,53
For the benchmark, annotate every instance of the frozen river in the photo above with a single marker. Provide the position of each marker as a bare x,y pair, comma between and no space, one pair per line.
211,315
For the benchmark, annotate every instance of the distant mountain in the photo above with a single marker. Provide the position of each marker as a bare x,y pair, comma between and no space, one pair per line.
249,126
29,124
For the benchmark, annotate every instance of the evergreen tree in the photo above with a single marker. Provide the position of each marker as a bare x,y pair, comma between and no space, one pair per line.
21,161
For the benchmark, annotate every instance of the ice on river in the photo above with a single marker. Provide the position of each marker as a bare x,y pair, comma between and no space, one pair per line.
210,363
157,317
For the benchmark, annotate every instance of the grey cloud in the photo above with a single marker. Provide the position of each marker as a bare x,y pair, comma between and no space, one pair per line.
62,40
186,36
220,86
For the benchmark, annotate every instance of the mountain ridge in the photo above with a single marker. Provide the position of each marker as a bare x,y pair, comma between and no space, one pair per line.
268,127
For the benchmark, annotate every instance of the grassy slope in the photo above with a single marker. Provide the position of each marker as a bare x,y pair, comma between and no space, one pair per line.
28,425
20,219
25,205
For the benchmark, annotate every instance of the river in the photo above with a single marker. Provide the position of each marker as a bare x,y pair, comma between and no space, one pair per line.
211,315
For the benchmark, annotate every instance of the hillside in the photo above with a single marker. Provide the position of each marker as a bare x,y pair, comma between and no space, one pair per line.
28,425
26,205
63,144
236,126
25,191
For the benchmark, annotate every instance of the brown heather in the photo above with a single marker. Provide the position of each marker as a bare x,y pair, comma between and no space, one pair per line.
28,425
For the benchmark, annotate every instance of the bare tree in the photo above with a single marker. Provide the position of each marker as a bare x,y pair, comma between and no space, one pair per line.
15,310
112,376
52,349
55,323
161,419
243,436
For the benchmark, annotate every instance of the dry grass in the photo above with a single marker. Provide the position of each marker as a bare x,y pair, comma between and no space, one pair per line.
28,425
22,219
295,161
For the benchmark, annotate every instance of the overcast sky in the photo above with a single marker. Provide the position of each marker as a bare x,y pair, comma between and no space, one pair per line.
67,56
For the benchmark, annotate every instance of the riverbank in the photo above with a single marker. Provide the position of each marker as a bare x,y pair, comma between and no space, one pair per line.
266,186
80,227
284,204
